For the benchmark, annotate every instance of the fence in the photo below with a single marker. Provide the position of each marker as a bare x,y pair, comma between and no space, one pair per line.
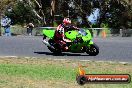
97,32
19,30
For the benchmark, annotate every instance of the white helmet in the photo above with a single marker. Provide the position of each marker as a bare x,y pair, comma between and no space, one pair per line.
67,21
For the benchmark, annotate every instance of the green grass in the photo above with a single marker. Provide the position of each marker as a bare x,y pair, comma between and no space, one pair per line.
38,72
43,73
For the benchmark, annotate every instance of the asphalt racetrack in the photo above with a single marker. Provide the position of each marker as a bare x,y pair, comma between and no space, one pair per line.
111,49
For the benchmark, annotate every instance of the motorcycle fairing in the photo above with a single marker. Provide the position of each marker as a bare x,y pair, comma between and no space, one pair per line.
49,33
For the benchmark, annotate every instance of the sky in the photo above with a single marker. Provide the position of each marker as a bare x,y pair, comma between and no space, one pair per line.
93,16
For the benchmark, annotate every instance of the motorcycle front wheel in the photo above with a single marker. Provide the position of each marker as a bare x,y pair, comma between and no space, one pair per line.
92,50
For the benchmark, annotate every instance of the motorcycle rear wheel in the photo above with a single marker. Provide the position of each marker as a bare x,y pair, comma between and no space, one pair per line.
55,51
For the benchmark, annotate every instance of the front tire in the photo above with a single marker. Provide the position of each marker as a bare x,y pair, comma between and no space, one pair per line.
93,50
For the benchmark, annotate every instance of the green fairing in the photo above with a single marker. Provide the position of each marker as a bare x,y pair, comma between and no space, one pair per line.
81,40
76,47
73,34
70,35
87,37
91,42
49,33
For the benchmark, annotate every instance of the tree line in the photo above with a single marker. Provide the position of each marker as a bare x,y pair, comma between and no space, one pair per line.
115,13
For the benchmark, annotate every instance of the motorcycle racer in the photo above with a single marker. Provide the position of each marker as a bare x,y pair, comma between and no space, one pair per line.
59,35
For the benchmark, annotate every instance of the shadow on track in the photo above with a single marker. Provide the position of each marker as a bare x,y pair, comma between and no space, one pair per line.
62,54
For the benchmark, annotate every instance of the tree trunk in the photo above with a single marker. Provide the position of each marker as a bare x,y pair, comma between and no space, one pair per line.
42,18
52,11
0,31
85,23
104,9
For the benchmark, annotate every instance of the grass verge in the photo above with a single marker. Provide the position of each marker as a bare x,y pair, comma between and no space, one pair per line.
47,73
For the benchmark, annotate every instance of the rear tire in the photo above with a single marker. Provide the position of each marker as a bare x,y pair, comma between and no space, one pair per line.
93,50
56,50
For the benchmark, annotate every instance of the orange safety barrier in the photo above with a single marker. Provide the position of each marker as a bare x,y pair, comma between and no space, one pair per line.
103,33
81,71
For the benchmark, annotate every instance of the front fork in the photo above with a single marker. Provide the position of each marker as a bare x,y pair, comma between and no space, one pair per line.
47,43
44,37
91,42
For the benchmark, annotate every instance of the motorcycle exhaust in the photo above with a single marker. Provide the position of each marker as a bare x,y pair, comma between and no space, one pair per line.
47,44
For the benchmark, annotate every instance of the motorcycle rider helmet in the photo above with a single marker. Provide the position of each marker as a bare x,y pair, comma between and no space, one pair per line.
66,21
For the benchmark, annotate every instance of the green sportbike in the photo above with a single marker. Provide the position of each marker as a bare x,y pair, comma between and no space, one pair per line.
81,42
